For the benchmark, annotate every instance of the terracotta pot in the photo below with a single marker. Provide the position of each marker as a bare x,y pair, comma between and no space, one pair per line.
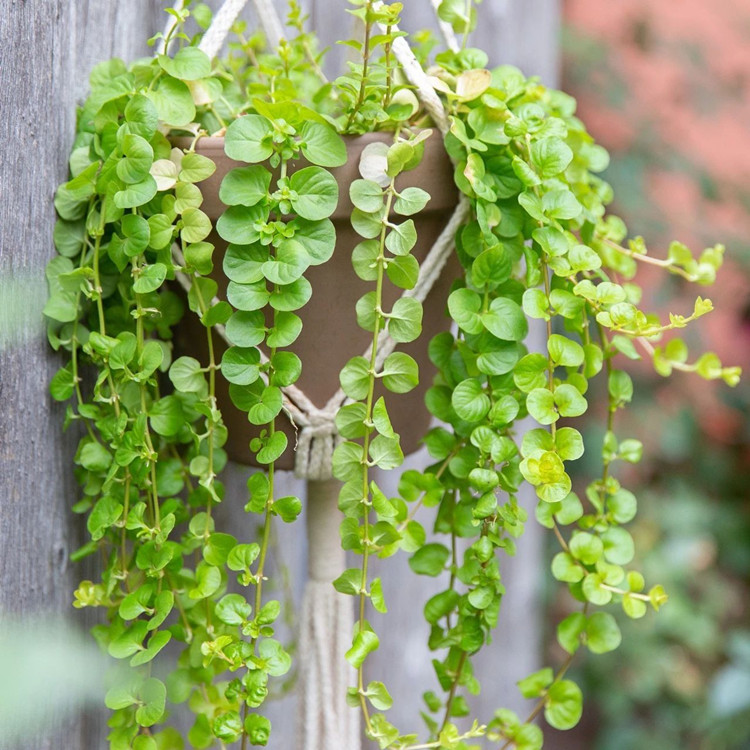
330,334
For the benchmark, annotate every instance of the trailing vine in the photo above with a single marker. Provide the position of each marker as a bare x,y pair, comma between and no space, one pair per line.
538,244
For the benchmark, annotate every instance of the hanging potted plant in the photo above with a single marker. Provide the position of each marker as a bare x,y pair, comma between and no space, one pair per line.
219,178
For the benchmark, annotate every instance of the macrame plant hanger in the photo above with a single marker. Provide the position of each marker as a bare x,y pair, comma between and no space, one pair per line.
326,622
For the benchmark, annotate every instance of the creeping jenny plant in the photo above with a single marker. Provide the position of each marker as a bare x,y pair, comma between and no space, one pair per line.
537,244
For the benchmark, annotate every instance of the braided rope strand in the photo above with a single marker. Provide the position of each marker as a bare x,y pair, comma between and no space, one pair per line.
446,30
217,32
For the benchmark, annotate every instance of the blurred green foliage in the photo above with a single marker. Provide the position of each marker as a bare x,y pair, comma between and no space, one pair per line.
683,678
48,670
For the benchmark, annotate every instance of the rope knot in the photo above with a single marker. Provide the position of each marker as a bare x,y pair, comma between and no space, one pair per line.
315,446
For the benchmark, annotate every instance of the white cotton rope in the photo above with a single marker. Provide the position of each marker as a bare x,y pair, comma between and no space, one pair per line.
445,28
270,20
222,22
325,721
220,26
316,444
418,78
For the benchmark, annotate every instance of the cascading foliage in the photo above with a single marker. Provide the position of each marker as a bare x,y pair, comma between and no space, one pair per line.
538,245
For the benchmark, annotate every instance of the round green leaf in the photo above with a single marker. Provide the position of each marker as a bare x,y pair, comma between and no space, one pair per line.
403,271
173,101
569,631
249,139
400,373
322,145
141,116
240,365
602,633
237,223
136,232
569,401
150,278
189,64
355,378
366,195
245,186
563,705
317,237
246,329
464,306
470,400
196,167
285,331
430,560
138,156
586,547
411,201
166,416
491,267
505,319
186,376
136,194
565,352
196,226
550,156
618,545
365,260
317,193
153,694
541,405
401,238
273,448
288,264
405,320
232,609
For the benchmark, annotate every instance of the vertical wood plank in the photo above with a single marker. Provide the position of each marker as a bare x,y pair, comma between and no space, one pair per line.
47,48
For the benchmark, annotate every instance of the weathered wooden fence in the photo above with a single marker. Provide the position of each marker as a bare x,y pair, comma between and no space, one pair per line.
47,48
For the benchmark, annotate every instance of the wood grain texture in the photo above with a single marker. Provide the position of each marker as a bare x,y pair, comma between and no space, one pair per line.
47,48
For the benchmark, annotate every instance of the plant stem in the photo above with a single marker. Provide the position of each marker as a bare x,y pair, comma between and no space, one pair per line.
388,69
611,408
438,474
540,704
467,31
267,515
550,365
153,455
365,63
659,262
454,687
210,426
379,318
99,304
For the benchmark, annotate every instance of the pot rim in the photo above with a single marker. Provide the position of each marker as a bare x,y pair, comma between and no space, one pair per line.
434,173
216,142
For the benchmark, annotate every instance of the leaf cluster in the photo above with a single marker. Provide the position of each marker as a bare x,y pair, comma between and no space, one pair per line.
538,244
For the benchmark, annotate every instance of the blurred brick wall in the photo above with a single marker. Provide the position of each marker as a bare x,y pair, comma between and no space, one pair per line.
665,86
